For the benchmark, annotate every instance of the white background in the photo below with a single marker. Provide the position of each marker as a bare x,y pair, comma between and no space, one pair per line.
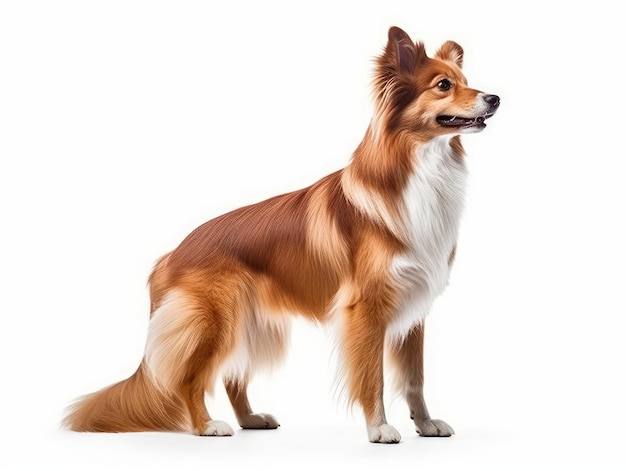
125,124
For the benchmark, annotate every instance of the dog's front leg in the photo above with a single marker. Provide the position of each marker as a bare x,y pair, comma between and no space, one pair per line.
363,349
408,359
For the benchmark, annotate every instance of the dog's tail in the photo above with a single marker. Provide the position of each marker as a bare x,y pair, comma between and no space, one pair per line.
136,404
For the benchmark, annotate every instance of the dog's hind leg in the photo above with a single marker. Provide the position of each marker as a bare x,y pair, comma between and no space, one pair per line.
190,334
408,359
238,395
261,344
192,391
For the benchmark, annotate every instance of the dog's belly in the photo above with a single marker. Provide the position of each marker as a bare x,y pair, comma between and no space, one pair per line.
260,343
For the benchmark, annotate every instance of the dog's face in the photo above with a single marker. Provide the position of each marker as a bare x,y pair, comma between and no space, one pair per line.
430,96
446,103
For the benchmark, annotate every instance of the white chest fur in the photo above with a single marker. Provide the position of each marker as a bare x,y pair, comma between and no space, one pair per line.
433,201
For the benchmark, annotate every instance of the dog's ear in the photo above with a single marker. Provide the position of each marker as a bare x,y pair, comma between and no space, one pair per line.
402,53
451,51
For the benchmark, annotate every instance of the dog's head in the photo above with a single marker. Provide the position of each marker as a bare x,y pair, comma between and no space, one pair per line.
427,97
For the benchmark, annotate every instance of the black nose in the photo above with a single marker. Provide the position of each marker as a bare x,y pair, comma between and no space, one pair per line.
492,100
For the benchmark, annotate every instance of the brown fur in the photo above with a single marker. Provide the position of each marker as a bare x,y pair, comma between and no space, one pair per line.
132,405
221,296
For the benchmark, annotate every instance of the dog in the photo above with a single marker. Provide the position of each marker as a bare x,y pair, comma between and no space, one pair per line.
367,248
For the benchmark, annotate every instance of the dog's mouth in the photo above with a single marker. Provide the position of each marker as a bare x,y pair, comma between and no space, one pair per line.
450,121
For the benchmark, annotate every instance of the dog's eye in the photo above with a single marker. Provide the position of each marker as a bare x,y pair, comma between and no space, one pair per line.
444,85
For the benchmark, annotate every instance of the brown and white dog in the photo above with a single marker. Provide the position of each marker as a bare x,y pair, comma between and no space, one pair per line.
368,248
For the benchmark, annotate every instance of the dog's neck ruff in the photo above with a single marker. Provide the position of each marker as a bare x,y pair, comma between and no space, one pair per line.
433,197
431,201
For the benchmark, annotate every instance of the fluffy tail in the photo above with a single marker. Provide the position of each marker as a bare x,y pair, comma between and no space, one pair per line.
133,405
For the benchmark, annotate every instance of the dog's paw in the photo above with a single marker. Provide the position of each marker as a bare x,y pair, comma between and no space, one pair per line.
383,434
259,421
433,428
217,428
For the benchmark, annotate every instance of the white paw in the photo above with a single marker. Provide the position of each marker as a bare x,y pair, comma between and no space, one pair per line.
433,428
217,428
383,434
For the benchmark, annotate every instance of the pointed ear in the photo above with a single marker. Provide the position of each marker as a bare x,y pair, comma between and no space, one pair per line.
451,51
402,52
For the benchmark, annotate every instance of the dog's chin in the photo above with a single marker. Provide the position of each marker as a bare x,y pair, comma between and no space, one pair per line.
463,125
472,129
